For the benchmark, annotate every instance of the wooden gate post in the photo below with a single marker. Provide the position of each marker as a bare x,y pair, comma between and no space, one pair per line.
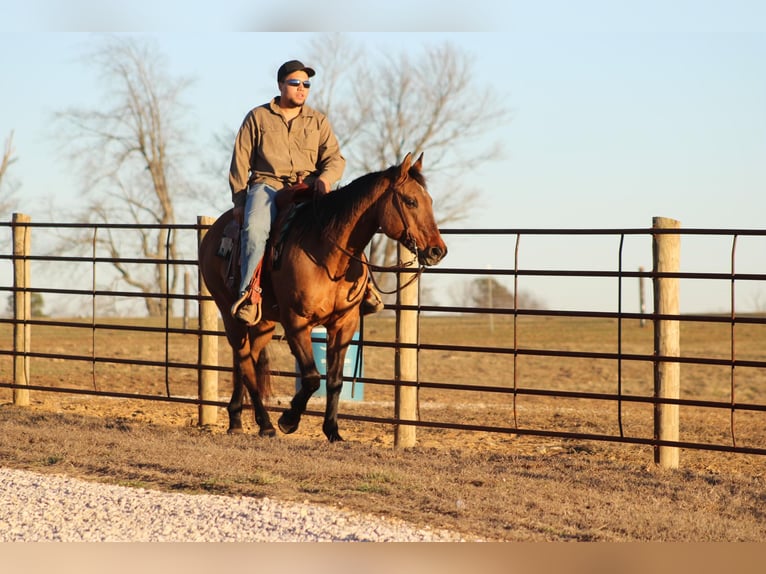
406,364
22,308
208,344
666,250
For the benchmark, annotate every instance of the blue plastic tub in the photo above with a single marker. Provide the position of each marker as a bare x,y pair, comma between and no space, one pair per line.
350,391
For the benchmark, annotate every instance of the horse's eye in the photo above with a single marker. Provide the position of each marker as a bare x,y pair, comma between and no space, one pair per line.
409,202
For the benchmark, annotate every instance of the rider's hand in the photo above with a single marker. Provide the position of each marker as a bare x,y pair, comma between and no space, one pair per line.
321,186
239,214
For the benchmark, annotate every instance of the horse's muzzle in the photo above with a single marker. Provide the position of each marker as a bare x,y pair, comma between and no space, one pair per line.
432,255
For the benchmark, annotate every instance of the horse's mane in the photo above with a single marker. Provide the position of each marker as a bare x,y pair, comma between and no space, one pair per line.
330,213
334,210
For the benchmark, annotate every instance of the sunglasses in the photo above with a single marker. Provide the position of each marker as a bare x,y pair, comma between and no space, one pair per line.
294,82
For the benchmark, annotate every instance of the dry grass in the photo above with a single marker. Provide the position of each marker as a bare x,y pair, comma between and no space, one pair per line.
488,485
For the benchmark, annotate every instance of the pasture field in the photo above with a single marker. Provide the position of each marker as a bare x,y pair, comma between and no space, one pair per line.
489,485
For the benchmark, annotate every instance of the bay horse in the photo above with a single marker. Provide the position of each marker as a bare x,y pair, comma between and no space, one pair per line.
320,280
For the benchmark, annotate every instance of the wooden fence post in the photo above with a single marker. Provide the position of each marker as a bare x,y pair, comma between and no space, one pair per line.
666,250
22,307
406,364
208,344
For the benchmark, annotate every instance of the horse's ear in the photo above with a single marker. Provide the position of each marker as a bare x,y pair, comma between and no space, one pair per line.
418,165
404,169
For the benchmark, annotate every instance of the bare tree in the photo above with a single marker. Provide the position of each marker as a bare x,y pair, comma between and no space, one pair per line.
383,106
130,156
7,187
490,293
334,95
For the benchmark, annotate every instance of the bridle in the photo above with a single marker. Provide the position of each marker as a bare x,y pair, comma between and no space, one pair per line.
406,239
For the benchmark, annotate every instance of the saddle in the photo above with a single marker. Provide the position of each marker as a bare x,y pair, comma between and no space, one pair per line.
288,200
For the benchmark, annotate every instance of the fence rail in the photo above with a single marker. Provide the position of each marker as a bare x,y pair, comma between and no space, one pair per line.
406,420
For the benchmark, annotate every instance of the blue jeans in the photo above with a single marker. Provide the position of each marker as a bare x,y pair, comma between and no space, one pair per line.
260,212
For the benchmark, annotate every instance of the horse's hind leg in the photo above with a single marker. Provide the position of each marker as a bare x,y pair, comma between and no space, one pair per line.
262,418
240,346
251,372
234,407
236,404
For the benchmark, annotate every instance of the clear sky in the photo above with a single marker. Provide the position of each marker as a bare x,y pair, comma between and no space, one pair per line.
621,111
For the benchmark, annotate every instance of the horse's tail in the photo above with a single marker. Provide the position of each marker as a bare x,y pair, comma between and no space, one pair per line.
263,374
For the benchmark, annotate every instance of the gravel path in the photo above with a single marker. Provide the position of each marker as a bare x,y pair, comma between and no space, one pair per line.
40,507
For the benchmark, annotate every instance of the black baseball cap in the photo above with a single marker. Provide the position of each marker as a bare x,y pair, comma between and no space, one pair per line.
292,66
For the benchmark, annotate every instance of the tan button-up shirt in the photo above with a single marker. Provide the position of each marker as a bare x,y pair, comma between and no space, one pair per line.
268,149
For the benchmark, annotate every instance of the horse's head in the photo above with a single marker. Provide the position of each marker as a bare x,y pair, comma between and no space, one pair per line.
407,214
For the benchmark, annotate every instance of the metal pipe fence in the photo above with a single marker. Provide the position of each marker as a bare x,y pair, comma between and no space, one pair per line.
508,386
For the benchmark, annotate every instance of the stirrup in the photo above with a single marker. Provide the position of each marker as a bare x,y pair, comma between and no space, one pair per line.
245,311
239,302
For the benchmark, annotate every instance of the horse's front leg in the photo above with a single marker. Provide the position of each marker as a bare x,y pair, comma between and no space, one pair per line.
335,358
338,339
300,344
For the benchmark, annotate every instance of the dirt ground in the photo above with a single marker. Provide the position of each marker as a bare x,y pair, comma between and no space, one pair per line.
489,485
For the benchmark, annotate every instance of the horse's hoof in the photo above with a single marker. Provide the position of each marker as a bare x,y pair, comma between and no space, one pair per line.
235,430
287,426
330,430
333,435
269,432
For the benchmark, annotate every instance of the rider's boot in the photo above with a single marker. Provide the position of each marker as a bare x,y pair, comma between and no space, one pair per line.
245,311
373,301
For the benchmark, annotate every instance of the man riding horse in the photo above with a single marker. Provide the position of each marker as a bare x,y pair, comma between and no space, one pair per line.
279,144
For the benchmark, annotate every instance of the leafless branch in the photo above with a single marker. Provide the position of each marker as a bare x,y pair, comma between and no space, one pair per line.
395,103
130,154
7,199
